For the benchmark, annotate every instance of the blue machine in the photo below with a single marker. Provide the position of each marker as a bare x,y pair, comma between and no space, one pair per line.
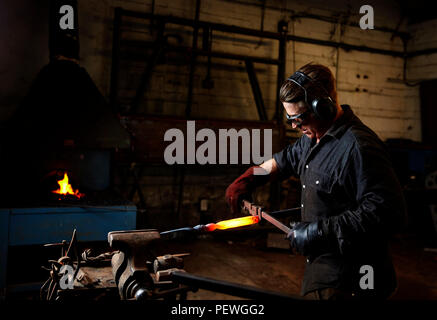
38,226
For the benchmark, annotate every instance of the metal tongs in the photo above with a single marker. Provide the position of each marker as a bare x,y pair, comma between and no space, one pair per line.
258,211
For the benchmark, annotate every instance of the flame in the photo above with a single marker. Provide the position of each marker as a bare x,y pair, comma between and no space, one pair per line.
232,223
66,188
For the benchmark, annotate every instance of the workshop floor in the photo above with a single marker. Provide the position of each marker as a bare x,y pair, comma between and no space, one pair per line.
278,270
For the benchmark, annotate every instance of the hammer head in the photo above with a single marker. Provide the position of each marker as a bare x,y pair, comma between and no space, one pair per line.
132,238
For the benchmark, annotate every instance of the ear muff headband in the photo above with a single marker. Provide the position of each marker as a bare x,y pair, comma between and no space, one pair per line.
301,79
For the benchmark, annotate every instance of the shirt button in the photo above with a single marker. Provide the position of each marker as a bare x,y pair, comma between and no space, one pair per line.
317,182
303,186
301,205
306,166
308,260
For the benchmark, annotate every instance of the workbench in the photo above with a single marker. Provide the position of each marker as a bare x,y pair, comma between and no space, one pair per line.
43,225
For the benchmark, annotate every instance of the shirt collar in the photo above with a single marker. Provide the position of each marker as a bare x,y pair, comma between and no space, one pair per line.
342,123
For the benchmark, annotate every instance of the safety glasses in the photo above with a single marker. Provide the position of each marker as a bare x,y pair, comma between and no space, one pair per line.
298,118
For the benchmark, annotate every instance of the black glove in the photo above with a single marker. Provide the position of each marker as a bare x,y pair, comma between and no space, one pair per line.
306,238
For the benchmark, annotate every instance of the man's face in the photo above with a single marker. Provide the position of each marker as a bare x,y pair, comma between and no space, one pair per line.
309,125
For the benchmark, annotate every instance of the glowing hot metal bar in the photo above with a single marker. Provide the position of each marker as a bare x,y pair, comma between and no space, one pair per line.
225,224
232,223
257,214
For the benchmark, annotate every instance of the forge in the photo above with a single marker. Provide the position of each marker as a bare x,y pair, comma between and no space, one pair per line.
57,166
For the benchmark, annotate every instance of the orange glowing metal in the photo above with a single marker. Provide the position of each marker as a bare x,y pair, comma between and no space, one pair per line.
232,223
66,188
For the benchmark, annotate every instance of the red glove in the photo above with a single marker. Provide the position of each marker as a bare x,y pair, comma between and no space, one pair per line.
242,188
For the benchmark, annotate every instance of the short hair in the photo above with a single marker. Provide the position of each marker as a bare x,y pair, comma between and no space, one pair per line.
323,79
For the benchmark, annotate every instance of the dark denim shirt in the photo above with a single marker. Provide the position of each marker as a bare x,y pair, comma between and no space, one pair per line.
349,186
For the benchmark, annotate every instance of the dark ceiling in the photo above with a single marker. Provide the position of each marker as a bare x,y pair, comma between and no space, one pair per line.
417,11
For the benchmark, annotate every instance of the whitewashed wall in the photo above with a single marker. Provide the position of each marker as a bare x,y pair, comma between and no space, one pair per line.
423,67
388,106
365,82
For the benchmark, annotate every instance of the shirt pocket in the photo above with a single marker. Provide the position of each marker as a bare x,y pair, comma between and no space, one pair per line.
320,181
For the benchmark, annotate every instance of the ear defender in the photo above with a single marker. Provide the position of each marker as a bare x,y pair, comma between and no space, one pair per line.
322,107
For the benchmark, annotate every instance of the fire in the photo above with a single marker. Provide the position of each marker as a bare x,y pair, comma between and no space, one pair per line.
66,188
232,223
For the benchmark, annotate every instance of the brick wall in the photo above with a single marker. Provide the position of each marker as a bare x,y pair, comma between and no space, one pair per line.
423,67
365,80
387,106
